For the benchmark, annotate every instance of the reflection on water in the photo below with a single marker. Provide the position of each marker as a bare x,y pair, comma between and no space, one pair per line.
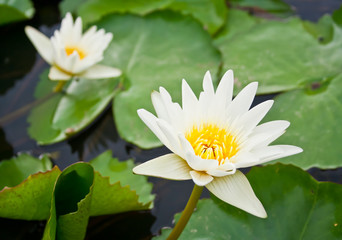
20,68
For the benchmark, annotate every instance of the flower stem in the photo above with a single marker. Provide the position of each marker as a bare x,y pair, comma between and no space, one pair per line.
188,210
59,86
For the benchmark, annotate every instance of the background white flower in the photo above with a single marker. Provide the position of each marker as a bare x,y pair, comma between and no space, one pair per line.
71,53
212,136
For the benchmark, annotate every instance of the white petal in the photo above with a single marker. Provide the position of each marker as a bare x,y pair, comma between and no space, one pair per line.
159,106
286,150
208,87
57,75
100,71
201,178
199,164
189,99
151,122
236,190
41,43
171,136
278,125
243,100
225,88
251,118
221,173
169,166
265,134
175,116
245,159
190,106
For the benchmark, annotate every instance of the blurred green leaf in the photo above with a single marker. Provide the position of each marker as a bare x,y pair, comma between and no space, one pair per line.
27,185
315,113
71,202
66,113
15,10
17,169
323,30
122,172
157,50
69,198
211,13
280,55
298,207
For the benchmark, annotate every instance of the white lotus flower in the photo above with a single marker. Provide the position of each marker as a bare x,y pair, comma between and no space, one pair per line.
71,53
213,136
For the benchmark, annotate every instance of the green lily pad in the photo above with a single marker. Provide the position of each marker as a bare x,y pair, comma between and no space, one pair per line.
280,55
298,207
69,198
80,193
17,169
323,30
61,115
315,114
211,13
122,172
15,10
157,50
28,199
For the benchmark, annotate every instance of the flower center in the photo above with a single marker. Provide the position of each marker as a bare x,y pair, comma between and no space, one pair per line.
70,50
211,142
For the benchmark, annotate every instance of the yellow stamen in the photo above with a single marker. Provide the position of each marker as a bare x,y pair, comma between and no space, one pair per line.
212,142
70,50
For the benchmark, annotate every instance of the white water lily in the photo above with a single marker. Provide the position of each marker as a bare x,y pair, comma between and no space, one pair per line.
71,53
211,137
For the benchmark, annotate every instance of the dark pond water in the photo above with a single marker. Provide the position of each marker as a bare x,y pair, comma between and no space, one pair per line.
20,67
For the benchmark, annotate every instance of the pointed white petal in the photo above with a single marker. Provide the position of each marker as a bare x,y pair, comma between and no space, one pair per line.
265,134
100,71
41,43
236,190
286,150
243,100
208,87
251,118
245,159
225,88
151,122
169,166
175,114
171,136
190,106
159,106
201,178
189,99
277,125
57,75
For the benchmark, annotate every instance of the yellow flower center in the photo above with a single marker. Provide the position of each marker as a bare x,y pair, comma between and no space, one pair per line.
70,50
212,142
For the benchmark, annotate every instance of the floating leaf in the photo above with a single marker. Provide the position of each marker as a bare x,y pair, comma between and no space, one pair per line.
211,13
64,114
15,10
29,199
280,55
298,207
122,172
315,113
158,50
69,198
71,202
